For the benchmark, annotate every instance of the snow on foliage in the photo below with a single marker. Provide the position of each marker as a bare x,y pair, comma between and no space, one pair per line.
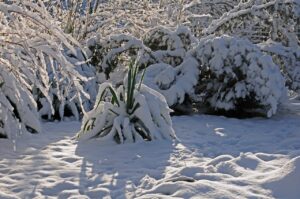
236,75
85,19
288,58
18,111
37,47
169,46
132,113
260,21
160,45
174,83
170,70
112,54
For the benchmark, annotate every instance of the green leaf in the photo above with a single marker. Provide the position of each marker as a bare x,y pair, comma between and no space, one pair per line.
128,86
135,108
142,78
114,96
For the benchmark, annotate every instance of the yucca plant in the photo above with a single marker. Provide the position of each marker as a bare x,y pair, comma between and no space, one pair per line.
129,113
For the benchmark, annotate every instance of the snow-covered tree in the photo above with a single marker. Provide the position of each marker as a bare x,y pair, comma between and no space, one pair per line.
235,75
130,113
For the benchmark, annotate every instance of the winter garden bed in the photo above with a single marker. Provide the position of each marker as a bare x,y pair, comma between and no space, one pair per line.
118,79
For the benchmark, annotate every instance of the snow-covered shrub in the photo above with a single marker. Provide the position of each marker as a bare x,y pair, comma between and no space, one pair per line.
174,83
18,111
198,22
133,112
170,46
38,49
85,19
288,58
215,8
259,21
164,53
113,53
236,76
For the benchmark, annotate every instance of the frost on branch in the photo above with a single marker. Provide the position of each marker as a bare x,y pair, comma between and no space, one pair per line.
18,112
237,76
131,113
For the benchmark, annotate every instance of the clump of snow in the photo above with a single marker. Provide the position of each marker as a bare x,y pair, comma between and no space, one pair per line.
236,75
283,182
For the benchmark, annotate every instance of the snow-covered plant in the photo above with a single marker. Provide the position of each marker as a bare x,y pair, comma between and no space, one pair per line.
174,83
87,18
288,58
259,21
166,54
170,46
36,46
214,8
133,112
112,53
18,111
236,76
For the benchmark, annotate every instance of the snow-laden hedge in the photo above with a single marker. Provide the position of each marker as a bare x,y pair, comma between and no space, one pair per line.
18,111
236,75
130,113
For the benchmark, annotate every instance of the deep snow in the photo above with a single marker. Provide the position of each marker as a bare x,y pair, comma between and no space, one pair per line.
216,157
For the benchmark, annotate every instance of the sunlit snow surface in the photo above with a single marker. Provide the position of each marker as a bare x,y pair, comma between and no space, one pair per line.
216,157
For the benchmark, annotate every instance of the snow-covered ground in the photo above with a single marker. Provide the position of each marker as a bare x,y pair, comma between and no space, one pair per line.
216,157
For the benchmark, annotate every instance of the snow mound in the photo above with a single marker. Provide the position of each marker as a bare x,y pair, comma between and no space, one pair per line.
286,182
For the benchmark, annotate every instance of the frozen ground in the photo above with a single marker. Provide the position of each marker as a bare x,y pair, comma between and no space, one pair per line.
216,157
